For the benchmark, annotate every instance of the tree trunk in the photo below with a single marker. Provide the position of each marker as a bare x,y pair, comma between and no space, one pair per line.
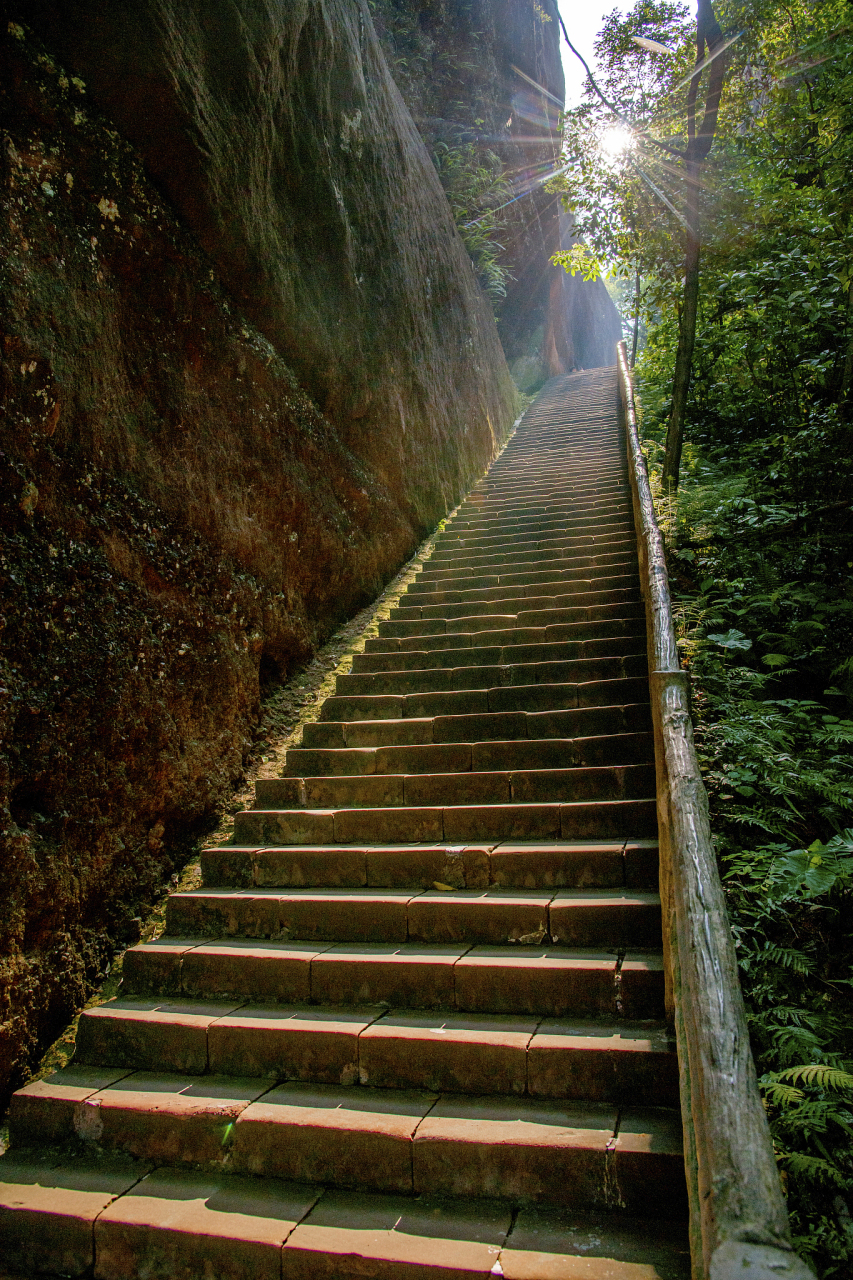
699,142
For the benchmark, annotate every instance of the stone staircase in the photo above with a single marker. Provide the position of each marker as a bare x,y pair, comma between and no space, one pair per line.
412,1025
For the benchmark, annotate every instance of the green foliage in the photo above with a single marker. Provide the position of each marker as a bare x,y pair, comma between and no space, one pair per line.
760,538
579,259
439,57
763,617
474,182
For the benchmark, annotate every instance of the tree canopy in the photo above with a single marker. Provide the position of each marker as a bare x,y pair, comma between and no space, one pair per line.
760,535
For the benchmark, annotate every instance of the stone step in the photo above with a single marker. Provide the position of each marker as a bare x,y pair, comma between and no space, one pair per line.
538,495
571,550
546,980
491,786
438,679
545,696
604,509
578,533
577,633
611,918
115,1217
514,586
523,574
601,1060
467,757
390,1140
579,820
481,655
598,514
572,722
556,615
579,595
511,864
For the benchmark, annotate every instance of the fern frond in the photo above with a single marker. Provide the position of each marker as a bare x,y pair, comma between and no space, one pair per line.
813,1167
782,1095
819,1073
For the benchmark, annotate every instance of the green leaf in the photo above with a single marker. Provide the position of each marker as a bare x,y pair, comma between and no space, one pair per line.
775,660
731,639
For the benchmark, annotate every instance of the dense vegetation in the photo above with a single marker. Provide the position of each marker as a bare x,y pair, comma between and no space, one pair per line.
760,532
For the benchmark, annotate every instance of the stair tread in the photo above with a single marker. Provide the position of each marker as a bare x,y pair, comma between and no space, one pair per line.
117,1211
324,1132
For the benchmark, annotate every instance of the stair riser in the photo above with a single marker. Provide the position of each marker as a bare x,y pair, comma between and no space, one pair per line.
555,615
432,918
440,679
529,698
574,633
583,722
539,570
562,546
600,866
559,753
484,980
534,1062
426,1155
615,647
623,782
620,547
587,595
584,533
604,820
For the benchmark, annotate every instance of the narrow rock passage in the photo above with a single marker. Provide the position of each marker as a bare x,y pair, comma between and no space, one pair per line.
412,1024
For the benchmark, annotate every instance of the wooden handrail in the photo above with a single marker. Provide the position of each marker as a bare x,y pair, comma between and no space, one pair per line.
738,1218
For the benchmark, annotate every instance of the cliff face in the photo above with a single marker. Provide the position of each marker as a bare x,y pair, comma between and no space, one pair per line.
485,76
245,366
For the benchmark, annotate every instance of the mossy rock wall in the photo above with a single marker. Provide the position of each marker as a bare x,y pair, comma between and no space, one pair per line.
245,366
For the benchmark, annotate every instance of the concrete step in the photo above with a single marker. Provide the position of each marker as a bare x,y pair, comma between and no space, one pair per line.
573,722
581,532
579,820
480,654
579,633
510,864
530,524
436,679
389,1140
602,1060
512,587
545,696
524,574
572,550
474,757
612,918
204,980
555,614
490,786
114,1216
577,595
512,574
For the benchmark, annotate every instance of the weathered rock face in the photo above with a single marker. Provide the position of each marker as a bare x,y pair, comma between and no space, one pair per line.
234,398
489,73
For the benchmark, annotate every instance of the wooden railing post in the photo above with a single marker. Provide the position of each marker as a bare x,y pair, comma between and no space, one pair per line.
738,1218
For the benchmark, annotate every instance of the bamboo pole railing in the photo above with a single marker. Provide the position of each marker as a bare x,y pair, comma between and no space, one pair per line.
738,1218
